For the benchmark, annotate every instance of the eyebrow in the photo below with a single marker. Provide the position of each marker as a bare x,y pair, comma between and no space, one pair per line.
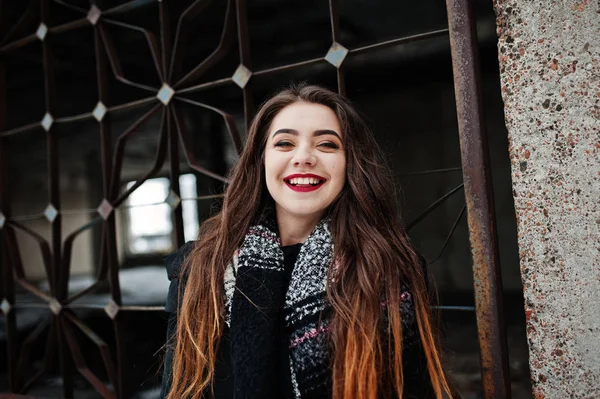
316,133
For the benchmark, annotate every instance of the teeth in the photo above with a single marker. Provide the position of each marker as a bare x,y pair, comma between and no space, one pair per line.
304,180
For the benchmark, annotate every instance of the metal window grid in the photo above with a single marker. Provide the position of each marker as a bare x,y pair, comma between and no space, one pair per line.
174,137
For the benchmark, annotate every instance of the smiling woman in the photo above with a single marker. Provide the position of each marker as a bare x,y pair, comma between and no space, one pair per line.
305,284
305,167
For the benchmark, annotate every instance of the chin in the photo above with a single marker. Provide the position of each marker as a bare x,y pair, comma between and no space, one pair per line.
303,211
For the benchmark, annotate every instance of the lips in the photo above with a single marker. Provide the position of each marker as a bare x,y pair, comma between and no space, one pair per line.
304,182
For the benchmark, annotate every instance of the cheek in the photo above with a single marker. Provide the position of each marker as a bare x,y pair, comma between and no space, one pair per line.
268,163
272,165
338,169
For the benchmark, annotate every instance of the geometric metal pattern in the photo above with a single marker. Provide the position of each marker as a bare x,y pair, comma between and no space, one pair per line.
241,76
336,54
165,94
112,309
47,121
55,306
41,31
173,199
5,307
93,15
99,111
105,209
165,49
51,213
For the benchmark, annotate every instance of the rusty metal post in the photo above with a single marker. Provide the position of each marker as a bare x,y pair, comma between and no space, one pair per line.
479,200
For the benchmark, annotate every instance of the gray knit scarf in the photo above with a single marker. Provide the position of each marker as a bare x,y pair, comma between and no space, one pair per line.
258,298
263,309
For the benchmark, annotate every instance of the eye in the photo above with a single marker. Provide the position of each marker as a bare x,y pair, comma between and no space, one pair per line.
329,144
283,143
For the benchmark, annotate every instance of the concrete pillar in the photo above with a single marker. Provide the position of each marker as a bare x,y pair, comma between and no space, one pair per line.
549,54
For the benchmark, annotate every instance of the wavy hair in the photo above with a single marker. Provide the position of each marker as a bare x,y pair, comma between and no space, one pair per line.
373,254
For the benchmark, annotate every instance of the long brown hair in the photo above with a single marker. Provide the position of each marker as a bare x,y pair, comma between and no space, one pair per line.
373,259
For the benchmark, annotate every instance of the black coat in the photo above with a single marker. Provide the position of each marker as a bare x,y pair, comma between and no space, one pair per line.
416,378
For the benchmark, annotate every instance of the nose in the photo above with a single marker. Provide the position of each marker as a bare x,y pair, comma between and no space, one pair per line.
304,157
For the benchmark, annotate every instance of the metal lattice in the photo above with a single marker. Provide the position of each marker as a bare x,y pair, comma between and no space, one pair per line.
167,101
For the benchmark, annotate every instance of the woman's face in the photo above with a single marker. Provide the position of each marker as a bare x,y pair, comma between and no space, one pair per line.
305,162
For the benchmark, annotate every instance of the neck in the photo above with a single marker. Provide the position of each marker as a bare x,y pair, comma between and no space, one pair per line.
295,229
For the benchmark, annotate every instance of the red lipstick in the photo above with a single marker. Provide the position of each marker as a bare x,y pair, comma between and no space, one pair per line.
303,188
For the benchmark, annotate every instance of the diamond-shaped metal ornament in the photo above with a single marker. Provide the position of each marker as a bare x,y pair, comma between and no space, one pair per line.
41,31
55,306
99,111
94,15
241,76
2,220
47,121
112,309
105,209
5,306
173,199
165,94
336,54
50,212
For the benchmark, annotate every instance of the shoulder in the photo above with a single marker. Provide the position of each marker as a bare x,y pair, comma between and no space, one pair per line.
174,262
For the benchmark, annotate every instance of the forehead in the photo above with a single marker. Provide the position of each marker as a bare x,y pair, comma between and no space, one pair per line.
306,117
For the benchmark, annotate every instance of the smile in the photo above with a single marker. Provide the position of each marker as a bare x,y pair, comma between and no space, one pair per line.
304,183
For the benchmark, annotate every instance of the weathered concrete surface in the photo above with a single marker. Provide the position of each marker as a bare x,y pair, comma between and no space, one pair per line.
549,55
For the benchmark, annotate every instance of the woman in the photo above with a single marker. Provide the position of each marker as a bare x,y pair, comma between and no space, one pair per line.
304,285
